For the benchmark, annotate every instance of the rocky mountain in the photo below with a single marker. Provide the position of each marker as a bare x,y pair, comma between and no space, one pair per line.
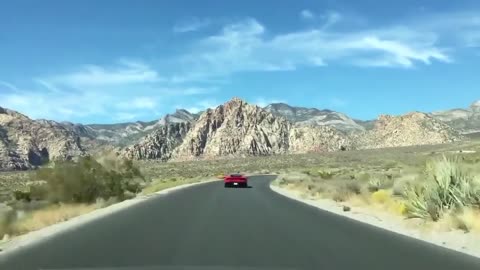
125,134
465,120
26,143
307,139
411,129
237,128
311,116
160,143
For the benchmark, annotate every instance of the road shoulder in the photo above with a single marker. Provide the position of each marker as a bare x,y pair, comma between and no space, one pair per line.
467,243
43,234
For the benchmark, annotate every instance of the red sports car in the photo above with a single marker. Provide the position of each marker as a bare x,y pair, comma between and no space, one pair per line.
235,180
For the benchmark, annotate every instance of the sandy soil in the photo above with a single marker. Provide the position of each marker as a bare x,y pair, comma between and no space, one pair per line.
458,240
42,234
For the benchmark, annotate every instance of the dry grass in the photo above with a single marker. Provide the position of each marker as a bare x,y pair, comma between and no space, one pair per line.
447,189
48,216
161,184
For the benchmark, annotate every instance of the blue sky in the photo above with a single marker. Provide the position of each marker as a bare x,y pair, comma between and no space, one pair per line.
115,61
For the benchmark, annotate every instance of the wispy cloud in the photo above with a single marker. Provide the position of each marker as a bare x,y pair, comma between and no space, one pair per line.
135,87
244,46
200,105
125,72
263,102
307,14
331,18
191,25
59,106
116,92
323,20
460,28
8,86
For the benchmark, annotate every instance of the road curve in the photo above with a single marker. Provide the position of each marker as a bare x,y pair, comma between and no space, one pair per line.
210,227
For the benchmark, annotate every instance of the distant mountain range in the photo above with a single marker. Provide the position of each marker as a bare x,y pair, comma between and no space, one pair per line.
234,128
311,116
465,120
124,134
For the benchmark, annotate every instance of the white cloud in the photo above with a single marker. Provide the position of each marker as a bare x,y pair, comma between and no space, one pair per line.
246,47
58,106
199,106
307,14
326,19
48,86
191,25
126,72
331,18
263,102
460,28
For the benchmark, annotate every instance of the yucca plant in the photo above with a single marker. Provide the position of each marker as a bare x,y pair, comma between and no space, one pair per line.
417,203
448,186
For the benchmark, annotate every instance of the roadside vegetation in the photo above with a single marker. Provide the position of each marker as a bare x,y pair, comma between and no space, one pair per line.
66,189
437,183
445,190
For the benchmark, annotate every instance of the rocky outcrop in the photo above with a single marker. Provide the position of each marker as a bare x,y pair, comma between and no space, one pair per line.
311,116
317,139
464,120
235,128
25,143
159,144
240,129
411,129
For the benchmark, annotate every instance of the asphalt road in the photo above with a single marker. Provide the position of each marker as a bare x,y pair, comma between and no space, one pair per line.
210,227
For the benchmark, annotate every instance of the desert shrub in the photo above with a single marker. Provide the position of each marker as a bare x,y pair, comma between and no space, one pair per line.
324,174
341,194
86,180
448,186
363,177
400,185
354,187
21,195
377,183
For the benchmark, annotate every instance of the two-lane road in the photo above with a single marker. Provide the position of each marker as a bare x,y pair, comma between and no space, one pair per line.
208,225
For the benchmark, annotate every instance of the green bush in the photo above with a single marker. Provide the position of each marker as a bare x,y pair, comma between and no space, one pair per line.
448,186
86,180
21,195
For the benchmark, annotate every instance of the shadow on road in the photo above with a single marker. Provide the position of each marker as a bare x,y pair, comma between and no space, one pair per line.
240,187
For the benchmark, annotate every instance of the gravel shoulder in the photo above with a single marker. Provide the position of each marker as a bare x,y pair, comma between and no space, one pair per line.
468,243
44,233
